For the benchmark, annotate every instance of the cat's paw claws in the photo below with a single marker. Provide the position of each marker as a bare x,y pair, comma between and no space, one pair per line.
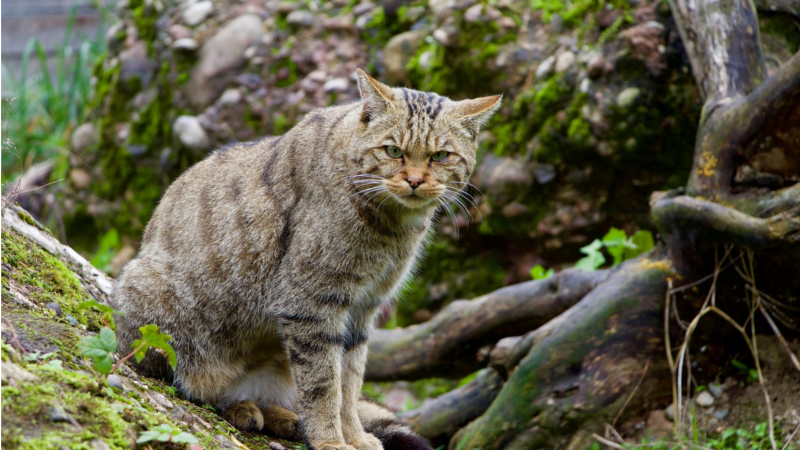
244,415
368,442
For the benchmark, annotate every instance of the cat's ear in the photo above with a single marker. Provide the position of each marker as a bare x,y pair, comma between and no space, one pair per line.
476,112
375,94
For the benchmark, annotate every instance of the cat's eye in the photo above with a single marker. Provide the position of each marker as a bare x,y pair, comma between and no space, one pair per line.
440,156
394,152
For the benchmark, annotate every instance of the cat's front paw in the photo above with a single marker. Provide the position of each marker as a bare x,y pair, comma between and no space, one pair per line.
367,442
244,415
330,446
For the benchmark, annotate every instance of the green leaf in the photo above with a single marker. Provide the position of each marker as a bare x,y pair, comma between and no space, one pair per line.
738,364
185,438
151,338
616,241
538,272
96,305
643,240
593,259
99,349
108,245
147,436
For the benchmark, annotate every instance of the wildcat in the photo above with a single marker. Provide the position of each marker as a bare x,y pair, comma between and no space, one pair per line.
268,261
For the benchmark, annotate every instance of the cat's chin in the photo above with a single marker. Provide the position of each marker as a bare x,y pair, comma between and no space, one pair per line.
415,202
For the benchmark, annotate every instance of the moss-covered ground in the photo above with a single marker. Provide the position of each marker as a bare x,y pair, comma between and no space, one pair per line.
51,398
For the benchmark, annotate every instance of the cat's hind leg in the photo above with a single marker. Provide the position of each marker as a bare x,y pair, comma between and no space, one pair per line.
244,415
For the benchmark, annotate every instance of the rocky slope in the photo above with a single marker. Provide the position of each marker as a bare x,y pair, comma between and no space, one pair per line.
51,397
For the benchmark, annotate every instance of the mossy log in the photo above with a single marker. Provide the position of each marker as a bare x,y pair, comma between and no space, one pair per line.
448,345
583,370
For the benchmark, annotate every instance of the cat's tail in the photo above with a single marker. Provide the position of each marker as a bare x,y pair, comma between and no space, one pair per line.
383,424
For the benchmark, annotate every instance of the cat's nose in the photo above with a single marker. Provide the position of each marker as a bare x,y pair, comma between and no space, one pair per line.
414,182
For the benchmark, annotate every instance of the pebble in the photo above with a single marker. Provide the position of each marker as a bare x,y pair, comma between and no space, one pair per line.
12,372
627,97
363,8
115,382
300,18
197,13
565,61
336,85
473,13
545,67
189,132
99,444
185,44
71,320
670,411
596,66
179,31
716,389
57,413
135,64
231,96
83,137
398,52
721,413
704,399
276,446
55,307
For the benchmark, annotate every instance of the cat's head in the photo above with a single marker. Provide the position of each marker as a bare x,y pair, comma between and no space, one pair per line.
416,150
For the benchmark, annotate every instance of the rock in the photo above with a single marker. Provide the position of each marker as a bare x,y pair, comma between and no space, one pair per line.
704,399
190,133
187,44
85,136
179,31
442,37
336,85
363,8
57,414
220,56
585,86
544,173
115,382
514,209
441,8
135,64
627,97
474,13
287,7
545,67
507,23
231,96
658,425
301,18
343,22
716,389
276,446
556,24
398,53
197,13
565,62
136,149
72,320
721,413
503,178
99,444
10,372
669,411
646,42
80,178
596,66
55,307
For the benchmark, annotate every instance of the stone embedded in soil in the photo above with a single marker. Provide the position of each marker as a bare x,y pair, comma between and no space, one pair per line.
398,52
83,137
57,414
704,399
716,389
189,132
721,413
669,411
197,13
222,55
55,307
135,64
12,372
188,44
627,97
99,444
300,18
336,85
545,67
115,382
565,62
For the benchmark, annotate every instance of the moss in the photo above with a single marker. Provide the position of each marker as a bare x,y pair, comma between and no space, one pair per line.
46,277
783,26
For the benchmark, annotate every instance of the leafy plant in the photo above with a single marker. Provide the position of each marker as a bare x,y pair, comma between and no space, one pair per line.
100,347
165,433
752,374
538,272
618,245
109,244
108,312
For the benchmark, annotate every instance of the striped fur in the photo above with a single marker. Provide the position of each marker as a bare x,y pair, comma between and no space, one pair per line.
268,261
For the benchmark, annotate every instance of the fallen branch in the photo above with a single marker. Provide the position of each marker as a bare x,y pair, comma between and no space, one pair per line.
447,345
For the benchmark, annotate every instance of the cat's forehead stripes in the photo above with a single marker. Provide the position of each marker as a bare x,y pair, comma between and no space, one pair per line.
419,102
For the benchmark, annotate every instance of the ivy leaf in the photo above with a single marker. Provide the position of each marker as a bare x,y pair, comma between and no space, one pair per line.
99,348
538,272
643,240
152,338
593,258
